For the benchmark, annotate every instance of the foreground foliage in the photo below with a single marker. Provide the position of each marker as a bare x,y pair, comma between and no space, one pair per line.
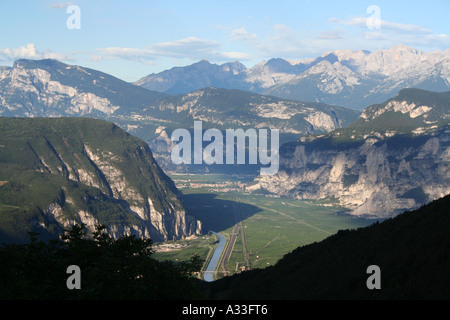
110,269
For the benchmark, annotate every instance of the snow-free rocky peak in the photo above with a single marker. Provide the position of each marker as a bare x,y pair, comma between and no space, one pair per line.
350,78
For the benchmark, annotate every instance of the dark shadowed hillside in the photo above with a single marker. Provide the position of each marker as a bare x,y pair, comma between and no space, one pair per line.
412,251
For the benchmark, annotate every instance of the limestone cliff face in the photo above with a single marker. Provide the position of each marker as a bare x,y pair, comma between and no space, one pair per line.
395,157
49,88
373,177
95,173
166,220
46,96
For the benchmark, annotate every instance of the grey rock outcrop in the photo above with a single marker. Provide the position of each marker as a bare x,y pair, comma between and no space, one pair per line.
374,178
395,157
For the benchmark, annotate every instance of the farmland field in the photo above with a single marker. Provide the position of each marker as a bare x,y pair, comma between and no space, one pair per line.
266,227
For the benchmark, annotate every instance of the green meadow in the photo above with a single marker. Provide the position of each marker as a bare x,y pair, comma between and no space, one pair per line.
272,226
282,225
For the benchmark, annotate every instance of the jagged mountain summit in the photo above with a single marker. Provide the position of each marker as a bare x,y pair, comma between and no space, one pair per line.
353,79
199,75
395,157
55,172
50,88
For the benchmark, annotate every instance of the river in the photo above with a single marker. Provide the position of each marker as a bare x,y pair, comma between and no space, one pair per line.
208,274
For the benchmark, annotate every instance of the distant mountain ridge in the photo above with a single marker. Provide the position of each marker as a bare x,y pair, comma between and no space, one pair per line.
49,88
196,76
353,79
225,108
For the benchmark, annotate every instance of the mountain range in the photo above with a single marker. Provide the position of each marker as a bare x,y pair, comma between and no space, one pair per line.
366,164
49,88
353,79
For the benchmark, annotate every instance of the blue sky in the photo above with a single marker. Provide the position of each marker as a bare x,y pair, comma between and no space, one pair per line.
130,39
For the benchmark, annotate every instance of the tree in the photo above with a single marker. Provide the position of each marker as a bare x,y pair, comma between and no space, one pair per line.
110,269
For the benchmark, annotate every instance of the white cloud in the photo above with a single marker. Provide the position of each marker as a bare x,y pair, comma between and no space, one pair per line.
235,55
354,34
60,5
331,35
133,54
364,22
284,42
30,52
391,33
374,35
243,35
192,48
